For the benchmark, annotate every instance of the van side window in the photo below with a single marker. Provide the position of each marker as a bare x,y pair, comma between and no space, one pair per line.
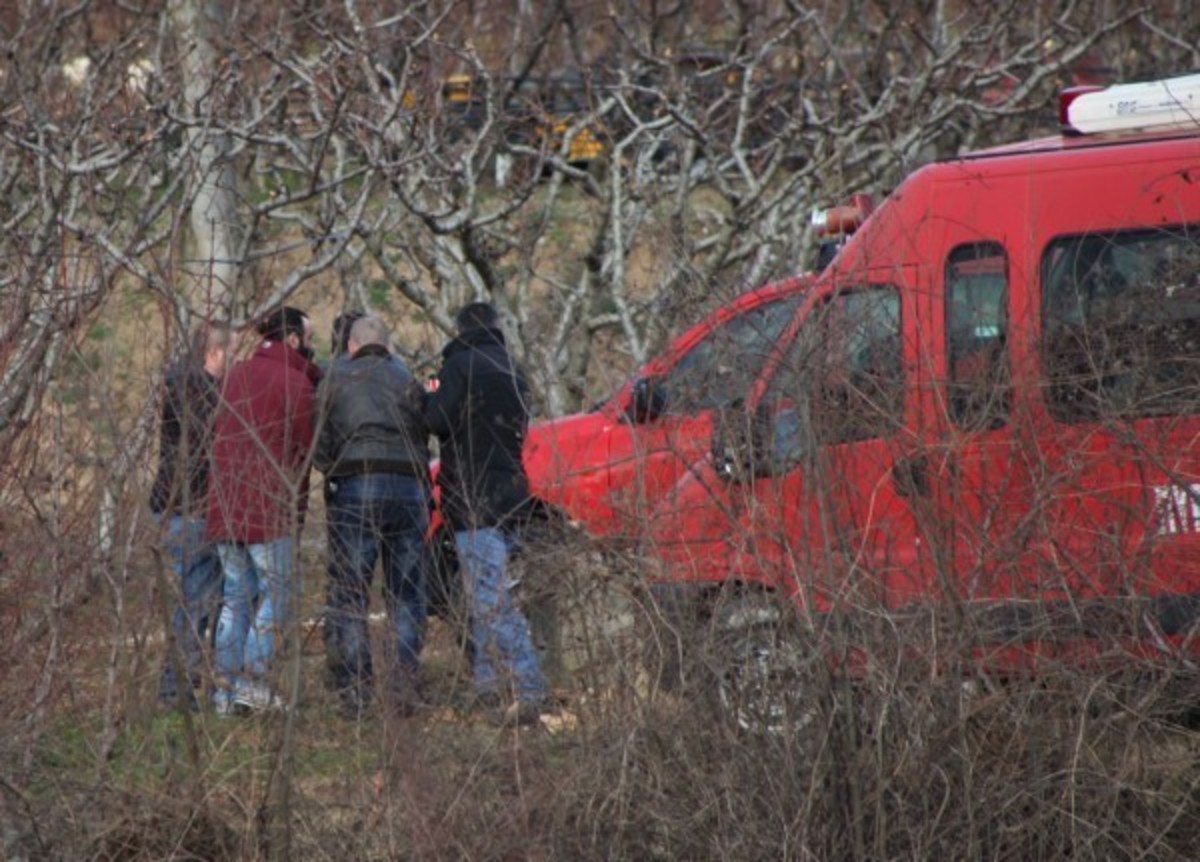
724,364
1121,324
845,367
978,385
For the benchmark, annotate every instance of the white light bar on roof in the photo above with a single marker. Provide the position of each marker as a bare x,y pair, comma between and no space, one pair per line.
1172,103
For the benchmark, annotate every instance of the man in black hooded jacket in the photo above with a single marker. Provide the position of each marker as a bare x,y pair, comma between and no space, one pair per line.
479,411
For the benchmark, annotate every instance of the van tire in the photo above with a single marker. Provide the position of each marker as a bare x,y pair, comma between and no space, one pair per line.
759,666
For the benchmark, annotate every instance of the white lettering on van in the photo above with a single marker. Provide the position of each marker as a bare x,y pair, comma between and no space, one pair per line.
1177,508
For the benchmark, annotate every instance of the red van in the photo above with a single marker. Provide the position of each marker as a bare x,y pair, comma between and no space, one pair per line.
986,410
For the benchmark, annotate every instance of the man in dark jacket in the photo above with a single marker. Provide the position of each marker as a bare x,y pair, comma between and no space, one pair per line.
479,411
178,498
258,491
372,448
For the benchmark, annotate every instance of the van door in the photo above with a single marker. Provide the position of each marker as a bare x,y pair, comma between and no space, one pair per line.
829,518
980,529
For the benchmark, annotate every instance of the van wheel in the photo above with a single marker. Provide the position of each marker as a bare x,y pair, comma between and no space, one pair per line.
761,666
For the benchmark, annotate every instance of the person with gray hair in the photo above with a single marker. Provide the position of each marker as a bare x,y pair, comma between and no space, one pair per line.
372,446
368,331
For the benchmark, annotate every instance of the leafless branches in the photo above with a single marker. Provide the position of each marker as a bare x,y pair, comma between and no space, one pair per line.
599,172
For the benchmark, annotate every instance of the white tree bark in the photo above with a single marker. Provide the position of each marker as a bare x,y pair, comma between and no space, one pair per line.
211,262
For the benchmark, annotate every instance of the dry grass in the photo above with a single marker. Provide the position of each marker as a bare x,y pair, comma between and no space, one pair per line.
899,762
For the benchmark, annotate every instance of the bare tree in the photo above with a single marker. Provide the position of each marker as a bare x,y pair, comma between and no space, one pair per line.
214,217
599,171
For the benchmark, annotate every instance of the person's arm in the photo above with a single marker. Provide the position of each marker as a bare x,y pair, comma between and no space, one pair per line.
303,423
444,405
302,437
325,452
172,413
169,479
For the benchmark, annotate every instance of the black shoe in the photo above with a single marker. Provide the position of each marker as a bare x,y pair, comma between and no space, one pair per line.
172,701
408,703
405,695
353,705
529,712
520,713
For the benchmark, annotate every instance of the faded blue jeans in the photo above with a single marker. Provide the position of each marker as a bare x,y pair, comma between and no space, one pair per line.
373,516
198,578
260,600
505,662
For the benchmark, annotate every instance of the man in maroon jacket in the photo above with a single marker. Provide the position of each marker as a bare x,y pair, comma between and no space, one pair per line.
257,493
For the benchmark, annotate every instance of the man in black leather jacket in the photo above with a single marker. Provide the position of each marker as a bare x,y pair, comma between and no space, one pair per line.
480,413
372,448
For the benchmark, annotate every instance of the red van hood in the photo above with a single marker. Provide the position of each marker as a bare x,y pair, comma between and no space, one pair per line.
566,461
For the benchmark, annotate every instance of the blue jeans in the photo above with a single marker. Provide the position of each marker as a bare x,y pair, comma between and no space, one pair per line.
198,574
371,516
505,662
260,599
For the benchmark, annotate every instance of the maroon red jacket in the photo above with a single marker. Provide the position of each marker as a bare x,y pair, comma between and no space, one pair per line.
258,486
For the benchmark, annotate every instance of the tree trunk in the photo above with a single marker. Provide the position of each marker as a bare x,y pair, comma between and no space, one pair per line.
211,260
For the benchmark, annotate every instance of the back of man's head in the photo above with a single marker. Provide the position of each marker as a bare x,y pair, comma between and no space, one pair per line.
369,330
210,335
286,320
340,338
476,315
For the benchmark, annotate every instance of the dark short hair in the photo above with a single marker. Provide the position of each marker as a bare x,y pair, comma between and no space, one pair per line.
476,315
283,321
339,338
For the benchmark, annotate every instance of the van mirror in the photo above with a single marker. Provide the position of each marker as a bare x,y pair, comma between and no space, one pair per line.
648,400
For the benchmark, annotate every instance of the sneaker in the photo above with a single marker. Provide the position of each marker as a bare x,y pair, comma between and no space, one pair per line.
256,696
222,701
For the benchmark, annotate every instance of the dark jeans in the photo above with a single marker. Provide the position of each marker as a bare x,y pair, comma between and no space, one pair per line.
371,516
198,577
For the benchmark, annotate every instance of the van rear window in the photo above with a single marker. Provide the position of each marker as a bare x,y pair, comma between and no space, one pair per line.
977,379
1121,324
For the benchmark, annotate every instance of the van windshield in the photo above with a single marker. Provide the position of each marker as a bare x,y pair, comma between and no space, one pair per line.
721,367
1121,324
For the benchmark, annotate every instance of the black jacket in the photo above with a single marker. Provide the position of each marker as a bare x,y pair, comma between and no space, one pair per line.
370,414
189,398
480,413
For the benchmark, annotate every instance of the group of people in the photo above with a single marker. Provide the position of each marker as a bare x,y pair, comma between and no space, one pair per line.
237,443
